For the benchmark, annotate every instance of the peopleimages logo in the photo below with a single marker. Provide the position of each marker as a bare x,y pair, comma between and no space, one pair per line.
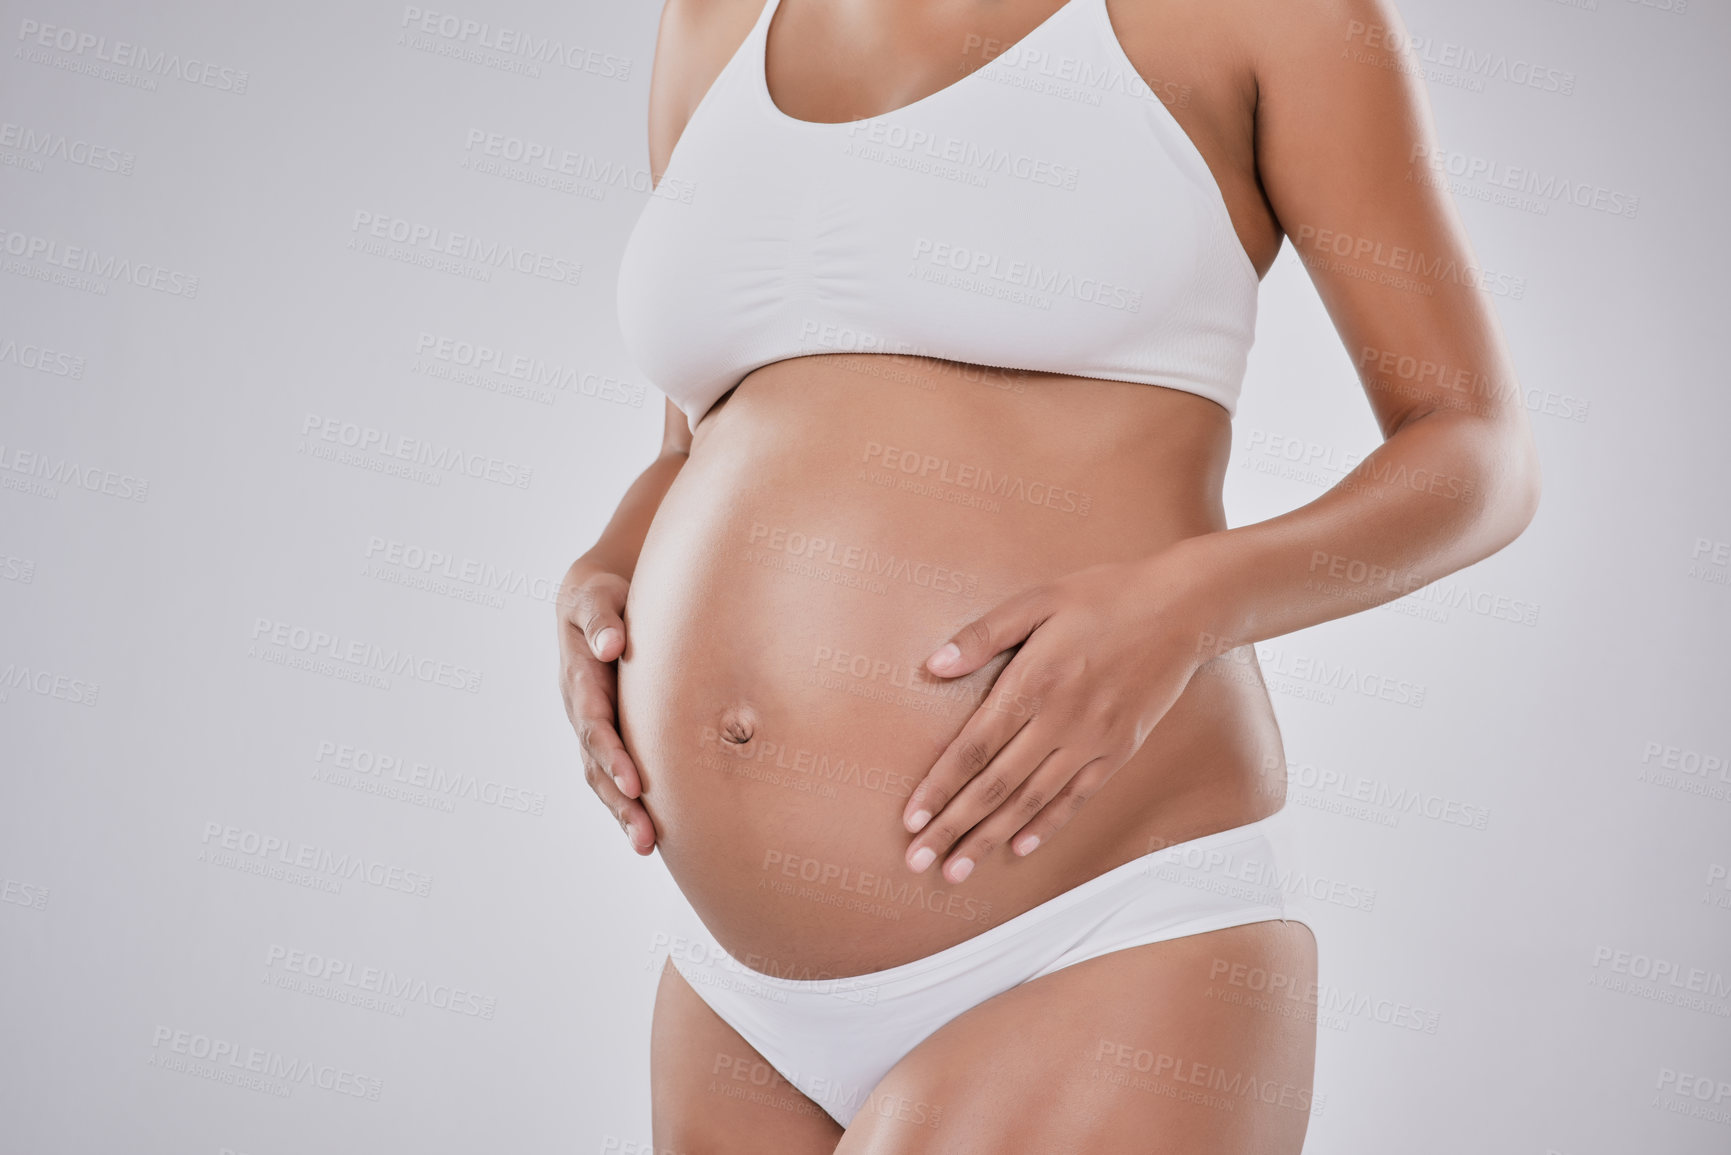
226,1061
439,241
984,159
42,474
228,845
1547,187
105,266
515,42
1477,64
385,444
986,269
47,683
53,362
346,977
1317,245
913,464
125,54
355,656
46,144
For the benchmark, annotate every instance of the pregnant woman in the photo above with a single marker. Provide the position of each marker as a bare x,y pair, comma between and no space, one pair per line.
923,651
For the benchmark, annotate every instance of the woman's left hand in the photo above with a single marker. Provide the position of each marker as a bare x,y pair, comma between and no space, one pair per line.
1105,652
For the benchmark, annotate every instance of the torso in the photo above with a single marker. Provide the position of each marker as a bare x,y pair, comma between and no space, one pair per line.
769,691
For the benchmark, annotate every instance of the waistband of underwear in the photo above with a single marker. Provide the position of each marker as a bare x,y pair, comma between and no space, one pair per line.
1122,875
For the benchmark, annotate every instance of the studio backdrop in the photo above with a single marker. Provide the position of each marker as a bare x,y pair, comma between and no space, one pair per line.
311,388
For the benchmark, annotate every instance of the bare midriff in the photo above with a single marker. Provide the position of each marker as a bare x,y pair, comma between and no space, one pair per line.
839,516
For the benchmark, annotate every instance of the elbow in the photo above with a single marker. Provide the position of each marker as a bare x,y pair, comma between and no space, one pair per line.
1509,486
1530,494
1507,482
1532,483
1523,487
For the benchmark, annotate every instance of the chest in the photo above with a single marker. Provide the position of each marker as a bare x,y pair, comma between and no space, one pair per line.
826,64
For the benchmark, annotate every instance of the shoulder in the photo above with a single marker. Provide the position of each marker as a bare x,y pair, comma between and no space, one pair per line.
693,42
1267,29
1333,22
1290,41
700,28
1244,52
1337,90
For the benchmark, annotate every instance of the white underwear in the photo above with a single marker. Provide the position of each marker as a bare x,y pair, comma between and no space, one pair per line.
835,1039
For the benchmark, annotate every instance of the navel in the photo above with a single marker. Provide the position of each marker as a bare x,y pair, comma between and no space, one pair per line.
738,724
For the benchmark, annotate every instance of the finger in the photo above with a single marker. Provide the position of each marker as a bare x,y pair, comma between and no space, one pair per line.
980,797
595,610
986,732
1004,625
589,688
1068,799
633,819
598,738
1013,815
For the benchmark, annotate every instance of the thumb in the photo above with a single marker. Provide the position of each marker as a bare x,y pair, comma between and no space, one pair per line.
1005,625
596,610
606,634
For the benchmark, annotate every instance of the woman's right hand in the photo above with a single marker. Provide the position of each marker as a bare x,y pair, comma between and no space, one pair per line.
591,637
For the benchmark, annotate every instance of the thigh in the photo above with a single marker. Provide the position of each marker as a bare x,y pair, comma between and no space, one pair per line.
713,1094
1174,1047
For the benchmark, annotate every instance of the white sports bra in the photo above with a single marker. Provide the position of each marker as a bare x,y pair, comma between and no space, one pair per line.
1043,212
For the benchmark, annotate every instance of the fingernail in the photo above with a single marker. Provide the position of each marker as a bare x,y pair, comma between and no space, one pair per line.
1026,846
947,655
961,868
918,822
602,638
922,858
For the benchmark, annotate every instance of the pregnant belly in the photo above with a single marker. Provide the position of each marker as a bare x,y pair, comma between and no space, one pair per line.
820,542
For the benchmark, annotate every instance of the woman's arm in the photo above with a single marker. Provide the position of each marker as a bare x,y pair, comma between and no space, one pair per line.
693,41
1342,129
620,543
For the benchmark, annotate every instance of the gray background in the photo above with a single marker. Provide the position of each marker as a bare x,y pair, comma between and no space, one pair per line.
173,520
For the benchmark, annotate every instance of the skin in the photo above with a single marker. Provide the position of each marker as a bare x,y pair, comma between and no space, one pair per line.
1110,632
